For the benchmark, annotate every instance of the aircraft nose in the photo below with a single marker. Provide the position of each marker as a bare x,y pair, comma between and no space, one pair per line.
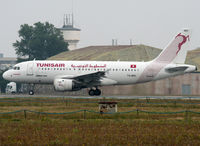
5,75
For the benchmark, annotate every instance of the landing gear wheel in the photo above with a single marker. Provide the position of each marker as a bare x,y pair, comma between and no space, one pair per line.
97,92
31,89
31,92
91,92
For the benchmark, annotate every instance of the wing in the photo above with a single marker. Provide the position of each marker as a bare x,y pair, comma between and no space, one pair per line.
87,79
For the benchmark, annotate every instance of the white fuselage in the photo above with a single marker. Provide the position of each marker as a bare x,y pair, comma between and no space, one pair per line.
116,73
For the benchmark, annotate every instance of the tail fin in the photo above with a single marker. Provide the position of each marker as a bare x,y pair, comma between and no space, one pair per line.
177,49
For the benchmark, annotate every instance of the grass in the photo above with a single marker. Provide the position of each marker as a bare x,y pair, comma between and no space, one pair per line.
95,129
99,132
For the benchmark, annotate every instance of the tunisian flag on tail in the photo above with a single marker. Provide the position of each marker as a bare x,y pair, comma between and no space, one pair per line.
133,66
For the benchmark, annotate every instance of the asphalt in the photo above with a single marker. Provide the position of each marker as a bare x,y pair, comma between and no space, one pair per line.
96,97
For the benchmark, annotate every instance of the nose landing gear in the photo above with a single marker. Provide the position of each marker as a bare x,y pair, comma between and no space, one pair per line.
93,92
31,91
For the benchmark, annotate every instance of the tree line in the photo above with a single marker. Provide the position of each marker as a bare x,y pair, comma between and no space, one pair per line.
38,41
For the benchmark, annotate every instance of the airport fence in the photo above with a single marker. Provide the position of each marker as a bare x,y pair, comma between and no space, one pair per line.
188,111
85,111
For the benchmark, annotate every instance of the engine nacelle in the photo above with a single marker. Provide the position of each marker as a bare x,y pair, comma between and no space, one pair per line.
65,85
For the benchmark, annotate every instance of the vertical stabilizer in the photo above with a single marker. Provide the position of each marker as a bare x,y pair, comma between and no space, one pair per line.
176,50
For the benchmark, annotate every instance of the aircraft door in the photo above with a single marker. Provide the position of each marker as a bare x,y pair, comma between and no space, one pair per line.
30,66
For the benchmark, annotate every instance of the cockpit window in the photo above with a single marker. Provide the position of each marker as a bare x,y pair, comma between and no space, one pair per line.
16,68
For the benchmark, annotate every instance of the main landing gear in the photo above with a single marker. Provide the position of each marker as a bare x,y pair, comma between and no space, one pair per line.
94,92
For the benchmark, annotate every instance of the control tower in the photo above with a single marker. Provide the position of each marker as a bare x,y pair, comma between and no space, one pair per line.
70,33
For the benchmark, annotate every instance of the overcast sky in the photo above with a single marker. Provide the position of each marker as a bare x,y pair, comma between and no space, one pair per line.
150,22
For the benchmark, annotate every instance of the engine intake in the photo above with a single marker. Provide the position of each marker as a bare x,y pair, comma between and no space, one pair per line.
65,85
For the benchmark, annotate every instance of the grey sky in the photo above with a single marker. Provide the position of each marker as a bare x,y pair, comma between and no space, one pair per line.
150,22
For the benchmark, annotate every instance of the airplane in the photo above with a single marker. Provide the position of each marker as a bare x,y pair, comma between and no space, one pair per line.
76,75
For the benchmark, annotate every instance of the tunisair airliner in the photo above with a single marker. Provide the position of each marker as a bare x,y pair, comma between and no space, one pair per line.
76,75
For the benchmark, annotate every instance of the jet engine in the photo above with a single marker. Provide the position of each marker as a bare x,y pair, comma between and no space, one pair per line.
65,85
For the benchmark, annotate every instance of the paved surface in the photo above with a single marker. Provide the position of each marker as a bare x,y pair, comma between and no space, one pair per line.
96,97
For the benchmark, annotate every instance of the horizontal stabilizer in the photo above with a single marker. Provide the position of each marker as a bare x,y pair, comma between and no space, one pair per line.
176,69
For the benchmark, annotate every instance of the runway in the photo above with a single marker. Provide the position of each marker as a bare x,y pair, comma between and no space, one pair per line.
96,97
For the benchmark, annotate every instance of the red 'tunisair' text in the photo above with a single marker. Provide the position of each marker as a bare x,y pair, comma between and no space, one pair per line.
50,65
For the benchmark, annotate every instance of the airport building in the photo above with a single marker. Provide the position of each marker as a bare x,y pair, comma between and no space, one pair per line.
6,62
70,33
